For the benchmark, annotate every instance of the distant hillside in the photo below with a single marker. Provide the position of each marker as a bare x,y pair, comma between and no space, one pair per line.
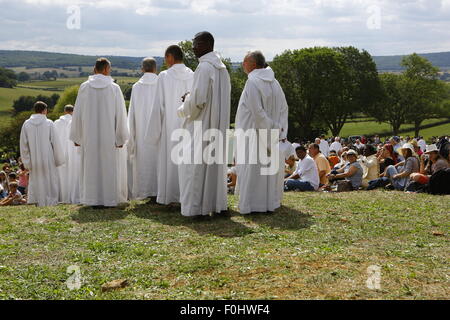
39,59
392,63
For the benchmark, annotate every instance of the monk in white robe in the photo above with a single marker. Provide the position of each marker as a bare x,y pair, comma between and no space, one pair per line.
41,152
143,156
99,126
69,172
172,85
262,106
203,184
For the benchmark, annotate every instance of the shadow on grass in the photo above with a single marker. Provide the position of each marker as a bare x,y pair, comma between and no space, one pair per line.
283,218
222,226
87,214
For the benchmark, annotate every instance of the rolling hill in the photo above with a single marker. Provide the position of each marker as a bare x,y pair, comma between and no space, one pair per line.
40,59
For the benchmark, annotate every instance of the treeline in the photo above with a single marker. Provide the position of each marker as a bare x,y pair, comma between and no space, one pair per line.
38,59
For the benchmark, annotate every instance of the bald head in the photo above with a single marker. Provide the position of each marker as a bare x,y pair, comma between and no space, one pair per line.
149,65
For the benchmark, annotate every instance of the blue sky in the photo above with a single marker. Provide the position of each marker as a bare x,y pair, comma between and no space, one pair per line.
147,27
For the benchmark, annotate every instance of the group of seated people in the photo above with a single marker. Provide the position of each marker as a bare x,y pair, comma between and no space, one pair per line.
398,164
13,185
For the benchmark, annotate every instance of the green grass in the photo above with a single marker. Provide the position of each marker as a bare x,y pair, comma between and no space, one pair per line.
317,246
34,88
371,127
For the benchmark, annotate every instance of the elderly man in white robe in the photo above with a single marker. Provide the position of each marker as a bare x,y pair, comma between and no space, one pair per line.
203,187
262,106
172,85
99,126
69,173
143,156
41,152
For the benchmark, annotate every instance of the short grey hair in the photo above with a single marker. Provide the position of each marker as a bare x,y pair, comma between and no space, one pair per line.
258,58
149,65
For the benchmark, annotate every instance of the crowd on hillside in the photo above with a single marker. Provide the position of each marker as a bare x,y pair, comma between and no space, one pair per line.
400,163
334,164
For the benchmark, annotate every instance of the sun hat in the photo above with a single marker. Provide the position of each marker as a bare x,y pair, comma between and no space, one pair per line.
405,147
352,152
432,148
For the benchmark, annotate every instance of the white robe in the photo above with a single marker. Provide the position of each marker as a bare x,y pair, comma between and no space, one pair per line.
262,106
172,85
41,152
336,146
99,125
69,172
143,156
203,188
324,147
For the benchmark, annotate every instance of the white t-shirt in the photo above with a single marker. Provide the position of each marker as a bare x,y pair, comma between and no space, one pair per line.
307,170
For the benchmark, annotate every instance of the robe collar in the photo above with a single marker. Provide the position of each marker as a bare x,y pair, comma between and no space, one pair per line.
100,81
148,78
265,74
214,59
38,118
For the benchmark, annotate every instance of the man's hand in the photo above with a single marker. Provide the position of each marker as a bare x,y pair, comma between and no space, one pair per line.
183,98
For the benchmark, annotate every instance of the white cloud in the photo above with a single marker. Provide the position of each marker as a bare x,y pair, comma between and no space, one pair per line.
146,27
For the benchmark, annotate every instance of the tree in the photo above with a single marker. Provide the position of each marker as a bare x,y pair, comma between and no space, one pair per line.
425,91
11,134
26,103
308,82
8,78
238,79
69,96
357,87
393,107
23,76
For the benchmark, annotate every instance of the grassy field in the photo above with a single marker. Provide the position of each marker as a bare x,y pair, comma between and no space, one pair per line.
34,88
372,127
317,246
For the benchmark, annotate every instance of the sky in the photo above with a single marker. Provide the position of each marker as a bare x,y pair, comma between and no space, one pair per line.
146,27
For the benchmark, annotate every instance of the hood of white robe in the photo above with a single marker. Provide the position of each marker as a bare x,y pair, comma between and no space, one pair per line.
100,81
180,72
66,118
214,59
148,79
266,74
37,119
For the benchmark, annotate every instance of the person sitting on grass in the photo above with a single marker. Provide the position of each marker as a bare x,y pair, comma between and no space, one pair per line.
14,197
386,157
333,159
323,166
397,177
350,176
231,180
23,179
12,177
370,165
306,177
430,162
3,184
